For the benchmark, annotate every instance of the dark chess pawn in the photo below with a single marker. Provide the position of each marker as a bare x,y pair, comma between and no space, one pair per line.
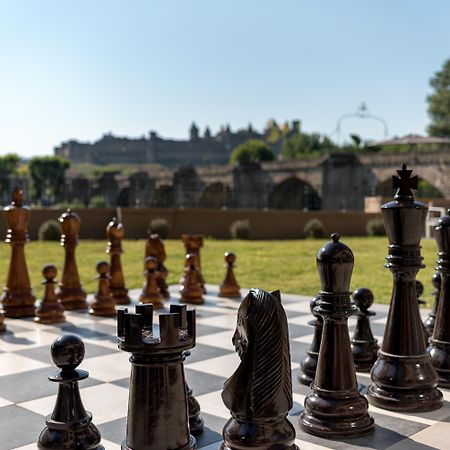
430,320
50,309
335,409
259,393
70,425
151,292
155,247
230,287
104,303
309,364
195,420
364,345
191,291
439,348
419,291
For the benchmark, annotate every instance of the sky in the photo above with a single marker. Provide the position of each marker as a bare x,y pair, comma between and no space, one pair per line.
79,69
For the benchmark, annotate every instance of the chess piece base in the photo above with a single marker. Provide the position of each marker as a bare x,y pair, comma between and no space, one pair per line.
308,368
275,433
192,300
156,300
72,298
196,425
230,292
195,420
103,310
120,295
440,358
192,445
47,318
364,355
18,304
339,416
2,327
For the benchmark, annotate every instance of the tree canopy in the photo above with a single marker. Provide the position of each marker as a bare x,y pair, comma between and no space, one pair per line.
47,172
8,166
252,150
439,102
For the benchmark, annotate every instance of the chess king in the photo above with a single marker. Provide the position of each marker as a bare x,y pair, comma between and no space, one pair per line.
259,393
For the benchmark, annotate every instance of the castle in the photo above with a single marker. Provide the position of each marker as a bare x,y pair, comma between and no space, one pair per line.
198,150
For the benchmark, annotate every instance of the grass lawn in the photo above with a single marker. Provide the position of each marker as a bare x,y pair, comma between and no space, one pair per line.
286,265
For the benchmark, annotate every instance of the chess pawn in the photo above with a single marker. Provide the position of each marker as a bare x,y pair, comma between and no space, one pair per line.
151,292
191,291
18,299
335,409
155,247
364,345
192,244
309,364
229,287
419,291
439,348
70,425
103,304
2,322
430,320
115,233
50,310
195,420
70,293
259,393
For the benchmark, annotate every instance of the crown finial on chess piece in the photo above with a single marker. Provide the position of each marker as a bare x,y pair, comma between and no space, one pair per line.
404,183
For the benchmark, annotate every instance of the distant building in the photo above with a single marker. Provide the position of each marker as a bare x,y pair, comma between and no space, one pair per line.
198,150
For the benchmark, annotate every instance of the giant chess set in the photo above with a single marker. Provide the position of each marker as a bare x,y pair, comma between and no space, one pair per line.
203,366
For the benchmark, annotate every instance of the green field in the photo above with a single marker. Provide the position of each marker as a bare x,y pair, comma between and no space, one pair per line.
286,265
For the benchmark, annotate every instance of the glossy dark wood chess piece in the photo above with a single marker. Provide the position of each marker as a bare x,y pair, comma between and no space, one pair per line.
192,244
115,233
50,309
439,348
191,291
335,408
103,304
259,393
364,346
157,407
18,299
196,423
155,247
230,287
419,292
70,425
2,322
151,292
70,292
308,364
403,377
431,318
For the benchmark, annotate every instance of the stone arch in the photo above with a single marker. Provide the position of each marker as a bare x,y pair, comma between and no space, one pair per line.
216,195
426,189
294,193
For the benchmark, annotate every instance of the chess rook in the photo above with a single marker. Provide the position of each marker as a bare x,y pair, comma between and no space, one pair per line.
155,247
259,393
115,233
364,346
192,245
103,304
335,408
18,299
191,290
50,309
157,409
309,364
431,318
151,292
70,293
230,287
439,348
403,377
70,425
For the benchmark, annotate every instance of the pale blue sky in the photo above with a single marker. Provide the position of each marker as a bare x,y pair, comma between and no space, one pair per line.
78,69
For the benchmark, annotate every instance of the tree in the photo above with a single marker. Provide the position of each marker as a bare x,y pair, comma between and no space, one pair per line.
253,150
303,144
8,166
439,102
47,172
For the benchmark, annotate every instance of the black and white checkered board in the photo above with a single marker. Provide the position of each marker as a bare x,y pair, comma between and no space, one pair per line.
26,396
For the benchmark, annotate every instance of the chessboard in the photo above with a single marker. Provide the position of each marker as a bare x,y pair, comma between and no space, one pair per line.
26,395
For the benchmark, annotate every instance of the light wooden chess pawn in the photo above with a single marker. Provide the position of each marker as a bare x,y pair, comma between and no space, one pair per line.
50,309
191,291
115,233
151,292
70,293
103,304
230,287
155,247
18,299
192,245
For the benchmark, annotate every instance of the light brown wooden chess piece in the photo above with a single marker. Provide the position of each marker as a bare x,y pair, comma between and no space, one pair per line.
191,291
103,304
70,292
2,321
18,299
155,247
230,287
151,292
115,233
50,309
192,244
